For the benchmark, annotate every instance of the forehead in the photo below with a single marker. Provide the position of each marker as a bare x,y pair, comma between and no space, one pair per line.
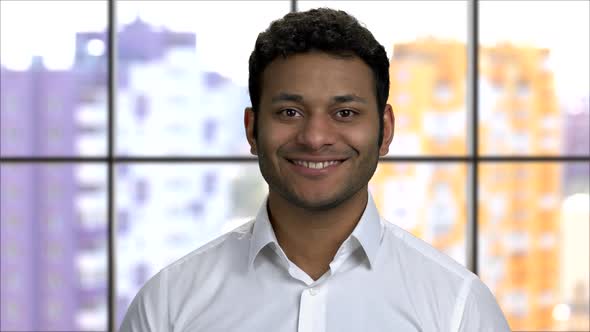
318,75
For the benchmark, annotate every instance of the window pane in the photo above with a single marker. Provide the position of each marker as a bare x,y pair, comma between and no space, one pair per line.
427,68
533,243
534,79
184,74
164,211
426,199
53,72
53,239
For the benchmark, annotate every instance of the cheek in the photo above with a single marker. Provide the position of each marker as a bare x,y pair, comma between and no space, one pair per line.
362,136
272,137
274,130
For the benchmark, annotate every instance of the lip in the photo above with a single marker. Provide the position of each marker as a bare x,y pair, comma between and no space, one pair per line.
313,172
316,159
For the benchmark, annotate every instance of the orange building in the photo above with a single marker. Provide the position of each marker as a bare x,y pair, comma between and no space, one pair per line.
519,202
428,96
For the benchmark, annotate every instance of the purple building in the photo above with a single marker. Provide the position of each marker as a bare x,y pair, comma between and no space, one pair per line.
37,108
42,236
137,42
577,143
39,234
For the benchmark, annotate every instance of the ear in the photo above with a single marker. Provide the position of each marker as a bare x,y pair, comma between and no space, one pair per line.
249,119
388,129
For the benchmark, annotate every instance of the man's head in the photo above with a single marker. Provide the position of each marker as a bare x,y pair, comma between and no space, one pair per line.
318,83
325,30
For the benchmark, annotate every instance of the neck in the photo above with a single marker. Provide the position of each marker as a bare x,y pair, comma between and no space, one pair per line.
311,238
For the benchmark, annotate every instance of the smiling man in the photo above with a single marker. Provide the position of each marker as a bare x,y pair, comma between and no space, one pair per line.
317,257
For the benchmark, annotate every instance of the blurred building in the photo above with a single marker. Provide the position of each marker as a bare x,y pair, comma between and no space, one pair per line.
577,126
576,131
519,211
519,214
170,106
41,247
166,106
575,288
428,90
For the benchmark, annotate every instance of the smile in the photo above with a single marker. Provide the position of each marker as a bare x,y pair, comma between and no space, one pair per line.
315,165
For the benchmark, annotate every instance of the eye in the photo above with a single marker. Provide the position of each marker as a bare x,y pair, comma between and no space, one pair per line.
345,113
289,112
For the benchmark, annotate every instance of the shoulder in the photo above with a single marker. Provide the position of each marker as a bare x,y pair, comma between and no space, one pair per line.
222,246
211,259
162,296
417,254
436,280
480,311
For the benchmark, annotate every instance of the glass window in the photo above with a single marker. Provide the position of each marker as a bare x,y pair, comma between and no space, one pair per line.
533,85
182,71
426,199
53,241
183,74
428,69
533,242
53,72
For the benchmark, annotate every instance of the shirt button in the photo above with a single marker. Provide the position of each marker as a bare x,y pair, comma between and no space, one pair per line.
313,291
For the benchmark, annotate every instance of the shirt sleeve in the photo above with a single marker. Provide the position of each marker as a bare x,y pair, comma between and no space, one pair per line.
148,311
482,312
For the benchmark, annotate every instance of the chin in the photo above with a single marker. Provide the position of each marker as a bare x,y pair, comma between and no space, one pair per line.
318,202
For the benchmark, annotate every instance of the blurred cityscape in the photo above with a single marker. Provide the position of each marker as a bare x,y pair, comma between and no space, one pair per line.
53,235
521,219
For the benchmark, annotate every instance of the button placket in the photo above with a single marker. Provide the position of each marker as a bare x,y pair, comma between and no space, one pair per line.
312,311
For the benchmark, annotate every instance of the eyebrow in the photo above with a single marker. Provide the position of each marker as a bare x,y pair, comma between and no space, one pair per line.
283,96
348,98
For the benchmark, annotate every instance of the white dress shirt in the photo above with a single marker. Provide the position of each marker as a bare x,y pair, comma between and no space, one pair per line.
381,279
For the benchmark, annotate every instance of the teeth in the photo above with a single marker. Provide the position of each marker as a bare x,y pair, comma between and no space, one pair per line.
318,165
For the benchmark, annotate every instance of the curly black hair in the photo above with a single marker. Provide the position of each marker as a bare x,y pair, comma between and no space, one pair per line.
323,29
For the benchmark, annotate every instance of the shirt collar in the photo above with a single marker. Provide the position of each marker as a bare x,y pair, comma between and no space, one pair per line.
367,232
262,233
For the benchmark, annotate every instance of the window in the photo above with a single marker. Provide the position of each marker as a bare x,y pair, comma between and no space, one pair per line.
490,167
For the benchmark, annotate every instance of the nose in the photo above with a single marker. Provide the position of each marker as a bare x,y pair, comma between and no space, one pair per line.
316,131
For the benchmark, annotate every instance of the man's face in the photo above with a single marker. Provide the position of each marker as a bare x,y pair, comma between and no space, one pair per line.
318,129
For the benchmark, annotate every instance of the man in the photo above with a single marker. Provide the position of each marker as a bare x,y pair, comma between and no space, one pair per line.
317,257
